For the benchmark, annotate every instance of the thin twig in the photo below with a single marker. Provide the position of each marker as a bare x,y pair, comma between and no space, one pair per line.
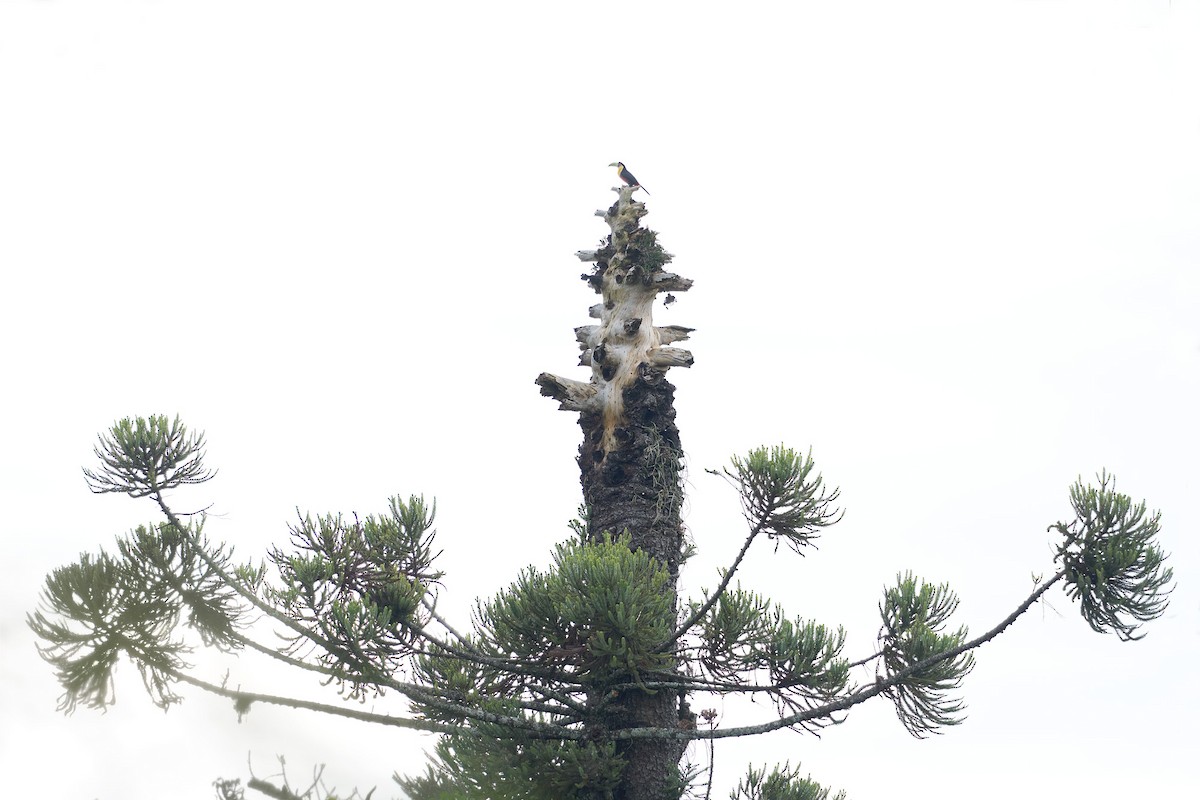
712,600
537,729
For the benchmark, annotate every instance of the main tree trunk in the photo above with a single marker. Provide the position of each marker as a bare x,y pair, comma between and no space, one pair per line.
629,460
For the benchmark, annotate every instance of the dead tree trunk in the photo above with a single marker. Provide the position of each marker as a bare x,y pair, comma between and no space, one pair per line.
629,460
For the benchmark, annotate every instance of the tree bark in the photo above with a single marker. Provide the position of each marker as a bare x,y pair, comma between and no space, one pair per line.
629,460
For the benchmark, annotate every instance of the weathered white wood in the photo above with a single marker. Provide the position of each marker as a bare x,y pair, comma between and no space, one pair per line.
669,357
672,333
571,395
625,341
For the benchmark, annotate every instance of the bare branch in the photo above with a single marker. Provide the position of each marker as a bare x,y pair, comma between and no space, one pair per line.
526,727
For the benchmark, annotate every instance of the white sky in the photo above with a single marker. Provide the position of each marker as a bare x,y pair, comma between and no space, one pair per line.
952,246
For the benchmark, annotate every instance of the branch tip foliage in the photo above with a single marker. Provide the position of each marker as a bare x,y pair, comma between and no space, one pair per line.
1113,566
782,497
915,615
143,457
134,603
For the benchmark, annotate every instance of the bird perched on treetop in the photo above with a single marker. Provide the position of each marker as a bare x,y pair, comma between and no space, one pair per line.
627,176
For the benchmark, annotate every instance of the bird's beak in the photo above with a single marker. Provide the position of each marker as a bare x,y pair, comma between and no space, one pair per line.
613,164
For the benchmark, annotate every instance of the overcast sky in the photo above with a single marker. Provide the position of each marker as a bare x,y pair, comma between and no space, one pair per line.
953,247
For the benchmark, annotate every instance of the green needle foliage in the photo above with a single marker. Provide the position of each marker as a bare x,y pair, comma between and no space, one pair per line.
505,769
599,611
104,606
744,635
358,587
782,496
1113,567
560,672
782,783
145,457
83,604
914,615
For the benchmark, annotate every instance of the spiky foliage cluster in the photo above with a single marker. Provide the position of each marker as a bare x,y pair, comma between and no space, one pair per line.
590,622
357,586
781,495
133,603
1112,564
507,769
800,661
782,783
144,457
599,611
548,649
914,616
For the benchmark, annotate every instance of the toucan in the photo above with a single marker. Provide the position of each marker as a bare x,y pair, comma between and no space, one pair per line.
627,176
